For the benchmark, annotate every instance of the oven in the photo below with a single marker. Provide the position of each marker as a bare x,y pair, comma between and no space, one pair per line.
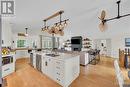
7,60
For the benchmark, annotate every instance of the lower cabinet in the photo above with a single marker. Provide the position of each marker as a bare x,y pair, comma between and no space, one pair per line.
8,69
48,67
63,72
31,59
8,65
59,71
39,62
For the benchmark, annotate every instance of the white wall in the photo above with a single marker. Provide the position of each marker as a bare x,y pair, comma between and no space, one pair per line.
118,42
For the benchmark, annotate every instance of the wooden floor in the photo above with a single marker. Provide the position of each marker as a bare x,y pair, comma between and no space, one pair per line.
100,75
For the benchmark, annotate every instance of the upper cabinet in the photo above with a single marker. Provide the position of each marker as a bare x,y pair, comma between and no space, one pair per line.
6,32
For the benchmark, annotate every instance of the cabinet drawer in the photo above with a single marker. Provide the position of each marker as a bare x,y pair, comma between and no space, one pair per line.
59,75
59,68
7,69
60,81
59,63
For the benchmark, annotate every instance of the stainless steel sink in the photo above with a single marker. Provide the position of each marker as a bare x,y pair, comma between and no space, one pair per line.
52,55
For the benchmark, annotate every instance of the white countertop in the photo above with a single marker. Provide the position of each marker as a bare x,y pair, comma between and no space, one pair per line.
8,55
62,56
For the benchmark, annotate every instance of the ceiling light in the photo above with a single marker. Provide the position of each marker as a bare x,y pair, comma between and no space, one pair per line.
58,27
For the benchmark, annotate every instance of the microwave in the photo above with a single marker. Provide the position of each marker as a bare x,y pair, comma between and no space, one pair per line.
7,60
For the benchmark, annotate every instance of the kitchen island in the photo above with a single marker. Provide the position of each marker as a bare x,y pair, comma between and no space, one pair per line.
62,67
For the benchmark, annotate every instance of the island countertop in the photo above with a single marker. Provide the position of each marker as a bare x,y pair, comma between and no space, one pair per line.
61,56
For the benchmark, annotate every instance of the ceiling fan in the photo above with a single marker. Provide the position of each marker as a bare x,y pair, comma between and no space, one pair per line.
103,25
24,34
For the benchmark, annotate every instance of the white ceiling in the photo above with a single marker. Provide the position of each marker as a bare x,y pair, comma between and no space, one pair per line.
83,15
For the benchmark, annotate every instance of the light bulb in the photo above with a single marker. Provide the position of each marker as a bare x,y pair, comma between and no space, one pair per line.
47,27
61,26
26,35
65,24
56,26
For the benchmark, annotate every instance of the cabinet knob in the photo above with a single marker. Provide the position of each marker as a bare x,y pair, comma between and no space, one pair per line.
46,63
58,79
58,73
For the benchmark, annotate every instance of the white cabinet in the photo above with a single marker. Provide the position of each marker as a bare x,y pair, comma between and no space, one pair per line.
6,33
44,65
8,69
33,59
22,54
59,72
48,66
63,72
84,58
63,69
8,65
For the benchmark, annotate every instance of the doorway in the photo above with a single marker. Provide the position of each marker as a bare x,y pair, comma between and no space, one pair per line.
104,45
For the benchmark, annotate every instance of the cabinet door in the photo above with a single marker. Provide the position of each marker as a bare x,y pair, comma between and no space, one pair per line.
6,33
50,68
44,65
31,59
38,62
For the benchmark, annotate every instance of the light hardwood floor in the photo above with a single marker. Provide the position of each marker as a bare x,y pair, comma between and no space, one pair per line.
100,75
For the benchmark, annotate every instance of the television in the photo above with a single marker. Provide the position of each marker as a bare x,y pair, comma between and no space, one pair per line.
76,41
127,42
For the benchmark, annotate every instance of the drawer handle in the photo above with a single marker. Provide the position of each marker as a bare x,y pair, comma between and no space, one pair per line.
58,67
58,73
58,62
6,69
58,79
46,63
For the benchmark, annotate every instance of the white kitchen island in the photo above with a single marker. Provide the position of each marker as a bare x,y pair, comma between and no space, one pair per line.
63,69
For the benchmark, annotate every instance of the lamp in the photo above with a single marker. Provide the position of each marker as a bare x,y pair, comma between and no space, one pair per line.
58,27
45,28
65,23
26,34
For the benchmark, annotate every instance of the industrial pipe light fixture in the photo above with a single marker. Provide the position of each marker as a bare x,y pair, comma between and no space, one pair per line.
58,27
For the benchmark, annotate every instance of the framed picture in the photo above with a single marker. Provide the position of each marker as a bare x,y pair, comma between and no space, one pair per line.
127,42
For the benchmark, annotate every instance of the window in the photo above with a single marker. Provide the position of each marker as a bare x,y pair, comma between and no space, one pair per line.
21,43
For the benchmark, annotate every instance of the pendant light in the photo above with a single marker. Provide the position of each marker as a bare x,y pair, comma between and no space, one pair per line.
65,23
60,23
26,34
58,27
45,28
